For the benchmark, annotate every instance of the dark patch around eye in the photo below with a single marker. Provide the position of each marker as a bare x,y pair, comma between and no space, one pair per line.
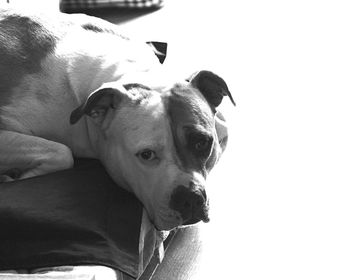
200,144
191,121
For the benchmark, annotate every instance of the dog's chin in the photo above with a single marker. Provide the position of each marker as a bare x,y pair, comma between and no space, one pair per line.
170,225
191,221
167,225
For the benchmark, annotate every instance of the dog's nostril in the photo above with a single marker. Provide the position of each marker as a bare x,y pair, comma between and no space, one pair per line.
189,203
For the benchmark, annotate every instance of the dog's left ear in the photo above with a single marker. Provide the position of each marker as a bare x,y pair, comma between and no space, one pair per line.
99,102
213,87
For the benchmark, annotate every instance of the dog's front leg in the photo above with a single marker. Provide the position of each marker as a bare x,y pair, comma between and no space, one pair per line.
23,156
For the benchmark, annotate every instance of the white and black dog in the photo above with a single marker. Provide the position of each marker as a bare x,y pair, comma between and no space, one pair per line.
72,85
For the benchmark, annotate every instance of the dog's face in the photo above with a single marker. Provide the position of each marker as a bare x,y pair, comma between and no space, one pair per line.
161,144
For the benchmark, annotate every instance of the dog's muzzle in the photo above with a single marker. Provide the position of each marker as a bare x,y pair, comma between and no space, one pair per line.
191,203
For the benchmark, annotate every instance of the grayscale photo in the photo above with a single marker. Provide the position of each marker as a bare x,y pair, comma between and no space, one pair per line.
174,140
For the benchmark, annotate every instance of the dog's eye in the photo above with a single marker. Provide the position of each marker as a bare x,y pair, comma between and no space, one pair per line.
147,155
202,145
199,142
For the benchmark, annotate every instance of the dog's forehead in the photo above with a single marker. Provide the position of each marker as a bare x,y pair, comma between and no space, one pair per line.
144,116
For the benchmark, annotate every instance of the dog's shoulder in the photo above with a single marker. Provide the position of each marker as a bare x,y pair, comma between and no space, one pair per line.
24,42
27,38
24,36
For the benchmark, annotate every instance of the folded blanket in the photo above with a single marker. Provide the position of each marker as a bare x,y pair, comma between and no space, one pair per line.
91,4
74,217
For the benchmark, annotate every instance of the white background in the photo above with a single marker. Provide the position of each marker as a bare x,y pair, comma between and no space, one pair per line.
282,190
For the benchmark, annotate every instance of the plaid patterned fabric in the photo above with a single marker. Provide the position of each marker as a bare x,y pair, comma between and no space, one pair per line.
90,4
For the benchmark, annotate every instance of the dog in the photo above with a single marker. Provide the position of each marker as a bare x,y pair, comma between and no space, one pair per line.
74,86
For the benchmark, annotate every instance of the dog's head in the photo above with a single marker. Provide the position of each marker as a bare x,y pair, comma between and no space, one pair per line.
161,144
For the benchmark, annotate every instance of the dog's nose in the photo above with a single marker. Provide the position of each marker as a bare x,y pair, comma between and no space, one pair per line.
190,203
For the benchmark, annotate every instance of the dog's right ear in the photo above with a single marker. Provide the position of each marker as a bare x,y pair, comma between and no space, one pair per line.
213,87
99,102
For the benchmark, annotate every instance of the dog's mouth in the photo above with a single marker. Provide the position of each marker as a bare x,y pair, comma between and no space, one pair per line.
168,224
193,221
200,215
185,207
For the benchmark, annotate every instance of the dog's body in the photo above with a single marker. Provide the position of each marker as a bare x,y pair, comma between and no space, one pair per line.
70,86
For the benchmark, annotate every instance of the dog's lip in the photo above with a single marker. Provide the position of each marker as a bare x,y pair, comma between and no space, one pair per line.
188,222
164,223
193,220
